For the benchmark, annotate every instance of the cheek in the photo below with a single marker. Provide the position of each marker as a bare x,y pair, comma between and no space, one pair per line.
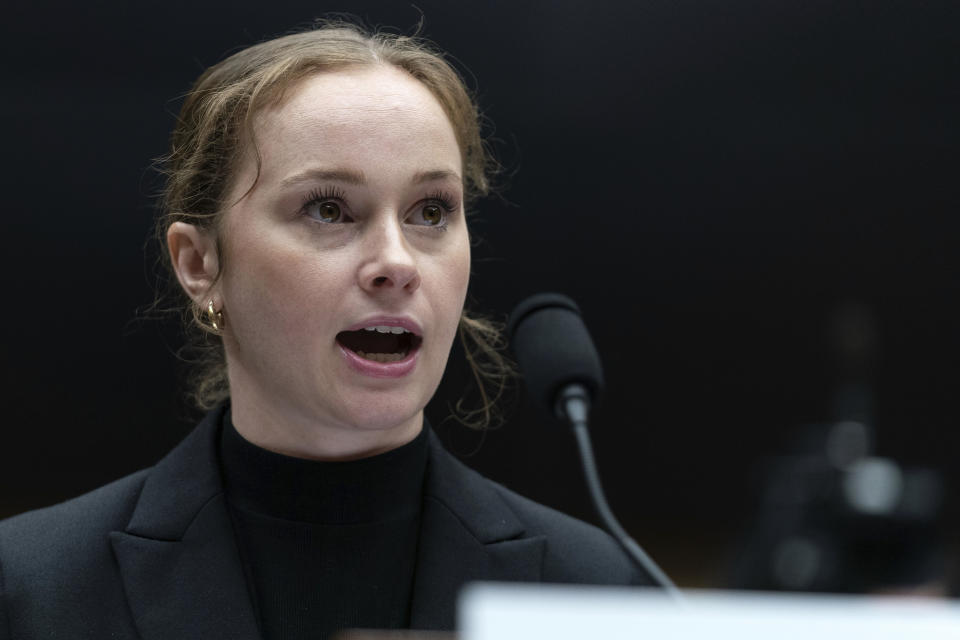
280,285
451,298
457,270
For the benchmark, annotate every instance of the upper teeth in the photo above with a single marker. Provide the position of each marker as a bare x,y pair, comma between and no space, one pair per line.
386,329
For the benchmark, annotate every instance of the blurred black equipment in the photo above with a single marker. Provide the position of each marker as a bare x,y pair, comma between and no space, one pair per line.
563,372
833,515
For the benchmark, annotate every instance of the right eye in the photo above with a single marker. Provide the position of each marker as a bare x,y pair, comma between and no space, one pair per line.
324,211
325,205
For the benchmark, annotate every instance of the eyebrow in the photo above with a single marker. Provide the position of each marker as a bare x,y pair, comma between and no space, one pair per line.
349,176
435,175
333,175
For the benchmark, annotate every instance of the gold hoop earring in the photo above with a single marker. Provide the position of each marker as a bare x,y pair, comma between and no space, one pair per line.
215,317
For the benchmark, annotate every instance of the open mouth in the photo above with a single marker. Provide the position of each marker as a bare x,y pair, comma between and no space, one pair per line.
380,343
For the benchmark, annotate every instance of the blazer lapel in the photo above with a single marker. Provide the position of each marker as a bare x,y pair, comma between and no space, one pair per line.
183,575
467,533
178,557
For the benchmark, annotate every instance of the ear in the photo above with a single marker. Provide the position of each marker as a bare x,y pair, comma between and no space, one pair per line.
193,253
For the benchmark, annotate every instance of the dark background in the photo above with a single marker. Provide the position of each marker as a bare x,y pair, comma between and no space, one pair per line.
710,180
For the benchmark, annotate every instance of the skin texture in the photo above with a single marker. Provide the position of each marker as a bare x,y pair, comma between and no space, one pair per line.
377,146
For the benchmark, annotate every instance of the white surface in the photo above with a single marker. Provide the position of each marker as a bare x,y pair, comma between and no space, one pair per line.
491,611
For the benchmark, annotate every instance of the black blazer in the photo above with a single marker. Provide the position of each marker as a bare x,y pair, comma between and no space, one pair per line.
153,555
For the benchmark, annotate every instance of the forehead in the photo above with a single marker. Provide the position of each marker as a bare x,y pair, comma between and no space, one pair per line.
355,116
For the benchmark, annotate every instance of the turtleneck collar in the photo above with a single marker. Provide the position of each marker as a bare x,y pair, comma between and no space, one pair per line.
375,489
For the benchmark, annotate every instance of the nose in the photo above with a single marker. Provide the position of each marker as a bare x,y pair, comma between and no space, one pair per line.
389,266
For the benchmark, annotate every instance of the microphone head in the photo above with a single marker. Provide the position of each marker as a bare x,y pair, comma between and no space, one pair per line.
553,348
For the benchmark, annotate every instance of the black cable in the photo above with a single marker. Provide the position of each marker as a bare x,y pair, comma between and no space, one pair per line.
576,413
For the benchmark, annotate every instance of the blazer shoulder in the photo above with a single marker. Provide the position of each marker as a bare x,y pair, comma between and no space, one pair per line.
576,551
59,531
57,567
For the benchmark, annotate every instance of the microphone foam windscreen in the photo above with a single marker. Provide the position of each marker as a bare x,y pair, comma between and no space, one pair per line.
553,347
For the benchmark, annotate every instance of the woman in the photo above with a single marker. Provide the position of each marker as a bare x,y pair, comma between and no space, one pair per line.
315,220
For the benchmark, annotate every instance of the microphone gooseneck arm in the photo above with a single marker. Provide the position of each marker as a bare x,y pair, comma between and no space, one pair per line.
573,406
563,371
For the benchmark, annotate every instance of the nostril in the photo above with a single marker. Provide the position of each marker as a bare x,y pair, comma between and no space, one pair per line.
380,280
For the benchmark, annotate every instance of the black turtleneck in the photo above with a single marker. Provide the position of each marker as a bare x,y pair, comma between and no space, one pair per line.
326,545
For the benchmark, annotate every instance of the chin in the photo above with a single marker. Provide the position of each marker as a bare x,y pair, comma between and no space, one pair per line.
382,405
381,413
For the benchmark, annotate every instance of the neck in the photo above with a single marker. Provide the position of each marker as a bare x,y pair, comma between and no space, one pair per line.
297,435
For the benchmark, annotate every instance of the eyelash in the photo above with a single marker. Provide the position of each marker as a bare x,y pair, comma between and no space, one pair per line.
444,199
441,198
320,195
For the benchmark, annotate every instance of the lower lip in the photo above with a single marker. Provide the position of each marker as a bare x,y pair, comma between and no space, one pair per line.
373,369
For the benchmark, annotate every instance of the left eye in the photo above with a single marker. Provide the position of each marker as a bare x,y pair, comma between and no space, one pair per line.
429,215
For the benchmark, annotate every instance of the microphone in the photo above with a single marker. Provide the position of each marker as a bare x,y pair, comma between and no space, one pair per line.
555,352
562,370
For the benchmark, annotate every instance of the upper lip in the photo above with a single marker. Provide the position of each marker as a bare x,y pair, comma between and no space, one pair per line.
408,324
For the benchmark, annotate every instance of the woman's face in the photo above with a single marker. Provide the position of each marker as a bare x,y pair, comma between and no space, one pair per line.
355,222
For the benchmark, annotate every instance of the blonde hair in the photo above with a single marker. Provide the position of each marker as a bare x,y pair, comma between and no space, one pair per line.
214,132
